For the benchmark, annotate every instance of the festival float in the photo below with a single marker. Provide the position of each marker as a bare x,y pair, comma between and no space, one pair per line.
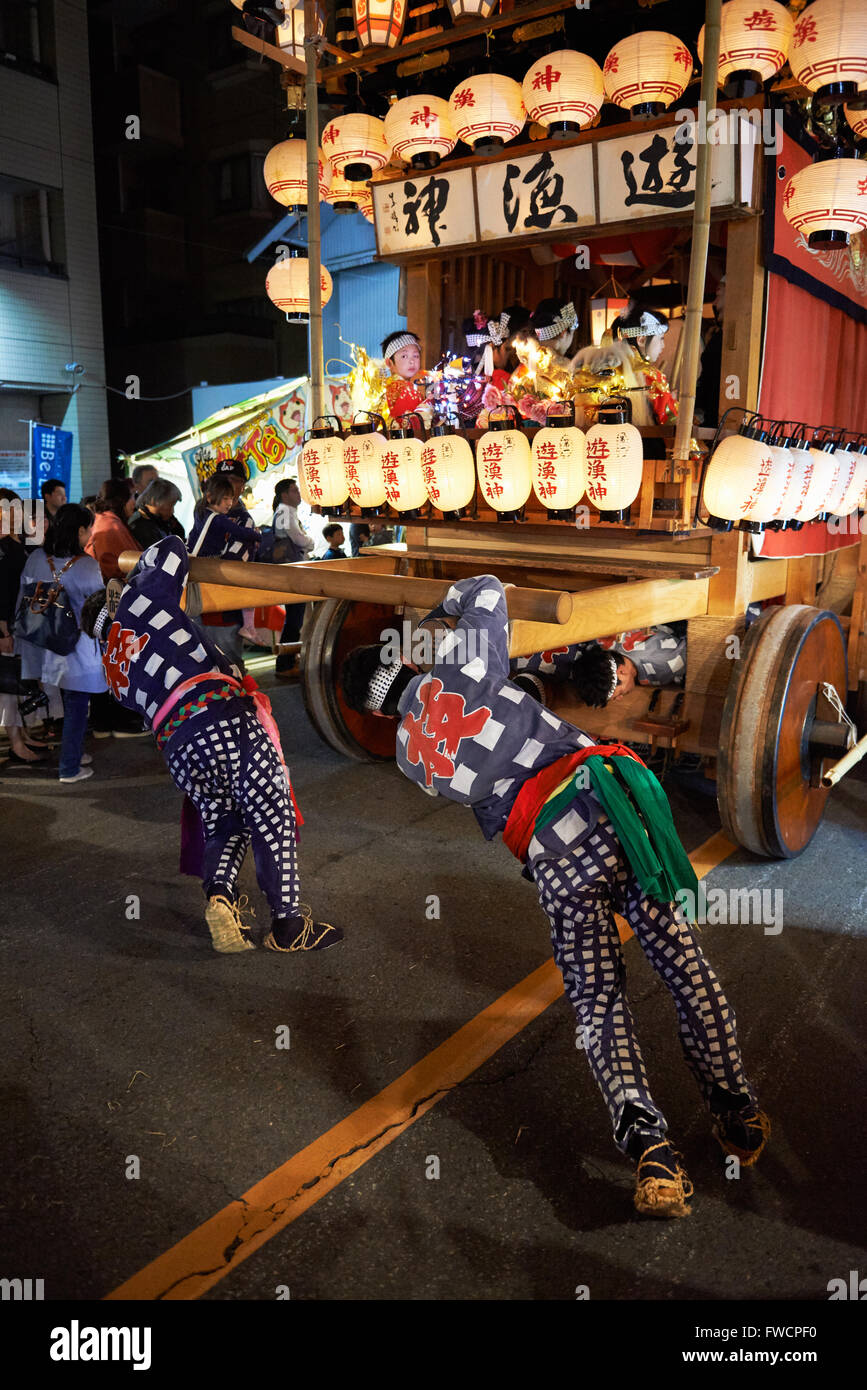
511,159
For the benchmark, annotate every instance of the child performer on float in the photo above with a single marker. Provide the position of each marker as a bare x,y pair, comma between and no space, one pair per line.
466,732
220,744
403,392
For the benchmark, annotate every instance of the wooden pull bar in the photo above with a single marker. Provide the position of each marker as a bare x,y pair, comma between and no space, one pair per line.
320,580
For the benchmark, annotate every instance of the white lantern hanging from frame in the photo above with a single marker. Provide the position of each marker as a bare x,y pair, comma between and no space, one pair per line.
828,52
754,40
355,144
449,471
802,476
848,460
379,23
785,465
285,173
857,120
363,449
420,130
560,462
768,480
322,478
504,464
287,286
563,92
855,491
487,111
646,72
615,460
827,201
825,474
346,197
405,488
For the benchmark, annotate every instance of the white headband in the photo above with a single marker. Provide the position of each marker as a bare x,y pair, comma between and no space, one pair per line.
615,665
566,320
100,619
380,686
649,327
400,340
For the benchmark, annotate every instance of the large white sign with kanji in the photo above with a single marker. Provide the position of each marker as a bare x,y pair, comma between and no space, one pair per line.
541,192
653,172
424,211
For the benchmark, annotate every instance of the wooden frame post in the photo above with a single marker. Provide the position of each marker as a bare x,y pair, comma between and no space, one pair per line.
314,244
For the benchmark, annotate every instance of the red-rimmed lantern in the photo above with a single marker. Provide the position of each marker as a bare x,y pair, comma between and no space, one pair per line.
285,173
560,462
504,464
828,52
487,111
449,471
287,286
857,120
356,145
754,40
615,460
827,201
646,72
563,92
405,488
346,197
322,478
363,449
420,130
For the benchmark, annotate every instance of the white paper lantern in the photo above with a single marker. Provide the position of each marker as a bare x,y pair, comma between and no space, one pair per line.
346,197
825,473
321,472
379,22
563,92
402,469
471,9
487,110
287,287
615,464
853,494
419,130
848,461
285,173
857,120
827,202
560,467
647,71
736,477
799,490
362,459
356,145
449,471
786,482
505,466
754,38
828,52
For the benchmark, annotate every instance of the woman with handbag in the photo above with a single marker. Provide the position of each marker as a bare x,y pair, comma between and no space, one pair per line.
290,533
56,580
13,556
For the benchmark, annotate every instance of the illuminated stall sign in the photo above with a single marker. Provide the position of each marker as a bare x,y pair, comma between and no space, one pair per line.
545,192
554,193
425,209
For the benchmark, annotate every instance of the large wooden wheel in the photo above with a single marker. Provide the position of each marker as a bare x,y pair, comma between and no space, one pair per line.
776,730
331,630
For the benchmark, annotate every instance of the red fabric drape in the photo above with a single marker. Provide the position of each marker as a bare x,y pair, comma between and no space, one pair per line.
815,361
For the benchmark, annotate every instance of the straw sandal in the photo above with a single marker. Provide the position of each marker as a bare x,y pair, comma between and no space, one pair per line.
665,1191
225,926
742,1134
312,936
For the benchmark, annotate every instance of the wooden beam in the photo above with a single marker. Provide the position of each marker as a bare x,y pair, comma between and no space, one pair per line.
614,608
269,50
424,306
742,316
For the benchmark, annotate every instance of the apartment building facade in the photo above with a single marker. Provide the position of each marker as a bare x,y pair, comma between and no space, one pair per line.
52,363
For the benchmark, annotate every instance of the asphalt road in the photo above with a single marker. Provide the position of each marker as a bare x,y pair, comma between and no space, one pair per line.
128,1038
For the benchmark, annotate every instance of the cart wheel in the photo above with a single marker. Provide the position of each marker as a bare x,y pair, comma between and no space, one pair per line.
772,744
331,630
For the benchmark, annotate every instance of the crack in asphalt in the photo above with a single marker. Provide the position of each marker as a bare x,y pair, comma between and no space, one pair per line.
276,1209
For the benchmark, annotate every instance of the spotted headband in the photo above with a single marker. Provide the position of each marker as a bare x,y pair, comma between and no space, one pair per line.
398,341
380,686
649,326
566,320
102,616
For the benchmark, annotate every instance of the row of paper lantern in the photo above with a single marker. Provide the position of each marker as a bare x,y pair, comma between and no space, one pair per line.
827,45
765,477
560,465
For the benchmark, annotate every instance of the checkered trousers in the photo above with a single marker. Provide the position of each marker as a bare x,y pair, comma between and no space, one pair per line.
231,771
580,894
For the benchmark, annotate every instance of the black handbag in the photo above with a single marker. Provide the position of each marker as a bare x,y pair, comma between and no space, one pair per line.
29,694
45,616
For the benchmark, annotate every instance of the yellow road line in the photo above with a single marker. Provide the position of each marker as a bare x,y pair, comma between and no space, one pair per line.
210,1252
